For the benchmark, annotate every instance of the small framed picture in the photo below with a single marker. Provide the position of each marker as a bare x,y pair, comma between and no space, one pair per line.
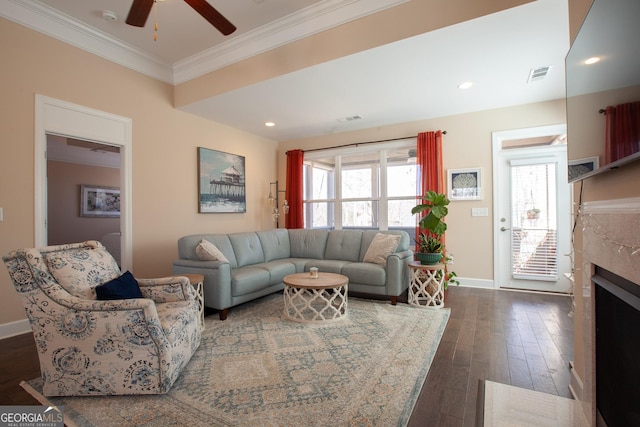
580,167
465,184
98,201
221,182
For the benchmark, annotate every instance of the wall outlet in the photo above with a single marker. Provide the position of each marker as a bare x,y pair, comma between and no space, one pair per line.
479,211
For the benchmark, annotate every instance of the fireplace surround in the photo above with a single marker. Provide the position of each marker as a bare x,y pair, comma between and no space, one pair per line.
610,244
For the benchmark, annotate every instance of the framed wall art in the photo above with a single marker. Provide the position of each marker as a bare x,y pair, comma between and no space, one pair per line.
221,182
465,184
579,167
98,201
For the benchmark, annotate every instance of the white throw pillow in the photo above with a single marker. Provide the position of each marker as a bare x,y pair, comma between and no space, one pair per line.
381,247
207,251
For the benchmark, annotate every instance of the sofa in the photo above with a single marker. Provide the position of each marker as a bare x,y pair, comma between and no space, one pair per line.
250,265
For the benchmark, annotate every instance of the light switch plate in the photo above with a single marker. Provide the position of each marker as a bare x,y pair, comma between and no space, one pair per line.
479,211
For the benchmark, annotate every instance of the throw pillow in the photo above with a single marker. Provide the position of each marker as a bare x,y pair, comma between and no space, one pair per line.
381,247
207,251
123,287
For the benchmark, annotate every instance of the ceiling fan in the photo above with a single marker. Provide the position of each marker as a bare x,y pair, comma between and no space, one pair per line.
140,10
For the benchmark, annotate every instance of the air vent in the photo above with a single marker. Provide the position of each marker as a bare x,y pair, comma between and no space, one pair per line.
350,118
538,73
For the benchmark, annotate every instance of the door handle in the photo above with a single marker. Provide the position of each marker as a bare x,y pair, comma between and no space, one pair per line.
504,229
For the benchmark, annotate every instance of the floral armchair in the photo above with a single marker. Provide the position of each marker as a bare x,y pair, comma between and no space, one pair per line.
96,347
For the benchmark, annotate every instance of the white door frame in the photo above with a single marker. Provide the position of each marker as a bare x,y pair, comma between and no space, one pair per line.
70,120
497,139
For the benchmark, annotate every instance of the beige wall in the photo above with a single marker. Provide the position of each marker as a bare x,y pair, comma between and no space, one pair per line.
164,143
466,144
64,223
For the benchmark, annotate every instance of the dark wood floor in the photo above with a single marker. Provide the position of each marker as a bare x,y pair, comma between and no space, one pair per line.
517,338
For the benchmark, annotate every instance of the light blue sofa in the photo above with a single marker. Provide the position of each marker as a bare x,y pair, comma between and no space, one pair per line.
258,261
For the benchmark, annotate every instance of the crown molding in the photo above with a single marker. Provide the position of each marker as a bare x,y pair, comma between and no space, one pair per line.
311,20
48,21
304,23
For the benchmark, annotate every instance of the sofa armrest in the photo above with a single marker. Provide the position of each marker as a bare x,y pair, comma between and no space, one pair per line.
217,280
398,272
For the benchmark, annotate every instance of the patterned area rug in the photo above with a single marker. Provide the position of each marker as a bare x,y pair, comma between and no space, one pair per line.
257,368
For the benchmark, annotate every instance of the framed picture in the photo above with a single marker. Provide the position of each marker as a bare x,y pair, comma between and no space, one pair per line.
221,182
579,167
98,201
465,184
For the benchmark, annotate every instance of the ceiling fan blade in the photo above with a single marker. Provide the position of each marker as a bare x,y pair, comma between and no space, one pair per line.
213,16
139,12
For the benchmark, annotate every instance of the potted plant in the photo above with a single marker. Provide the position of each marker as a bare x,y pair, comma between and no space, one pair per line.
430,246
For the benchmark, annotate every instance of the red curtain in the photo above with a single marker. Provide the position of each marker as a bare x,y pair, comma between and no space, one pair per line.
295,189
622,131
429,166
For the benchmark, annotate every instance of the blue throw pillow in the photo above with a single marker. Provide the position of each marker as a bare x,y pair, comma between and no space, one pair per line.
123,287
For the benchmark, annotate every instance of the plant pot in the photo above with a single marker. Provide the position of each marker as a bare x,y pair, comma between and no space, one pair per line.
428,258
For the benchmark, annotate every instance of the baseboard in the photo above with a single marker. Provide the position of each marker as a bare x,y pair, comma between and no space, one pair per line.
575,383
475,283
11,329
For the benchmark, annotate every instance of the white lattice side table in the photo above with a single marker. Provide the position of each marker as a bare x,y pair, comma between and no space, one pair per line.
197,281
427,285
309,299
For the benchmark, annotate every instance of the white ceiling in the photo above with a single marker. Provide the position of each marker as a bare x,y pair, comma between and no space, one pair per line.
409,80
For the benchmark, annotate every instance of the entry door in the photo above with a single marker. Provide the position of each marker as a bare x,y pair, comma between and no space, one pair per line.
533,228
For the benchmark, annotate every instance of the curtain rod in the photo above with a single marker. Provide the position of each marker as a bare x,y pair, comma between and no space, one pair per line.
444,132
602,111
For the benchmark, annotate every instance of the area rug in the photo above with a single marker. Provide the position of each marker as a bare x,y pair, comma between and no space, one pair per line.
259,369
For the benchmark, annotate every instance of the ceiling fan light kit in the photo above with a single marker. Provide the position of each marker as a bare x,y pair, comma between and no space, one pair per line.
140,10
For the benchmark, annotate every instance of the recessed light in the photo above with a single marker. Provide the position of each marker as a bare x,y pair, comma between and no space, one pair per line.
465,85
269,124
592,60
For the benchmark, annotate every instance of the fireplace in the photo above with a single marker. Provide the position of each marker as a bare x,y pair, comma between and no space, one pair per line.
608,318
617,330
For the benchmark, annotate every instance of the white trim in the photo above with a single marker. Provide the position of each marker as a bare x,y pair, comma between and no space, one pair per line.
629,205
475,283
11,329
576,387
314,19
71,120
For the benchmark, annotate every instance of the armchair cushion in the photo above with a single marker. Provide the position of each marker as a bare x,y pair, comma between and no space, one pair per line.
79,270
123,287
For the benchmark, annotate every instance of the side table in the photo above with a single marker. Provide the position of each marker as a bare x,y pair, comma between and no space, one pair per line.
427,285
197,281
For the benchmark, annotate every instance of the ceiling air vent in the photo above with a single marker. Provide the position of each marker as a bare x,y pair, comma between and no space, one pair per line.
538,73
350,118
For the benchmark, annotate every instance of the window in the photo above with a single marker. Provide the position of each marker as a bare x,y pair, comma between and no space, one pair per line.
363,187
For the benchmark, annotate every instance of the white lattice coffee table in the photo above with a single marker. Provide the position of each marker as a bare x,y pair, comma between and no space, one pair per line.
308,299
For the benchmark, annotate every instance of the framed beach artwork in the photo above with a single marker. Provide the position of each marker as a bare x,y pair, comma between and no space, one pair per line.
465,184
221,182
98,201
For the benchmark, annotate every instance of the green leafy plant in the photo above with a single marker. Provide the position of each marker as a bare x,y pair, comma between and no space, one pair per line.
429,244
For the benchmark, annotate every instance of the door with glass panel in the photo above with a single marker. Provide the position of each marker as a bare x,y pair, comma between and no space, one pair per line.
533,240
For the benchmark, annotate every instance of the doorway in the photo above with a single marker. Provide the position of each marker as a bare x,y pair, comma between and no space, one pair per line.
532,203
55,117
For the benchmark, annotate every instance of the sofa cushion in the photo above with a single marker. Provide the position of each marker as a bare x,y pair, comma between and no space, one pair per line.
344,245
246,280
207,251
365,273
80,270
187,246
381,247
275,244
123,287
327,265
247,248
308,243
277,269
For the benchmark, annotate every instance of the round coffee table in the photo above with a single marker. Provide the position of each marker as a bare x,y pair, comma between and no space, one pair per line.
309,299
